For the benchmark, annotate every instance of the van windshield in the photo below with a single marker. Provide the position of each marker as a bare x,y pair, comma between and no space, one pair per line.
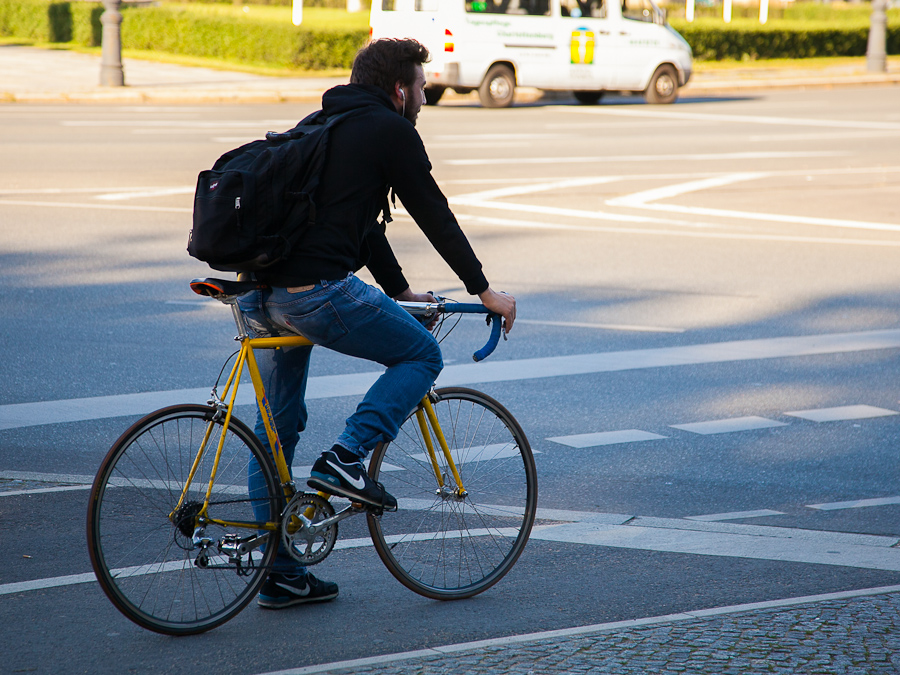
642,10
520,7
577,9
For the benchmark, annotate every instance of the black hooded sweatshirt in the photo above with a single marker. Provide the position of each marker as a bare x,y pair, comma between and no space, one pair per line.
368,154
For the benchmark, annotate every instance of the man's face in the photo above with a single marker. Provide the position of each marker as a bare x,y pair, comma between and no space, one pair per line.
415,96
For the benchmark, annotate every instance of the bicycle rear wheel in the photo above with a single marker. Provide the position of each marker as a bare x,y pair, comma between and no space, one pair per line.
142,544
441,544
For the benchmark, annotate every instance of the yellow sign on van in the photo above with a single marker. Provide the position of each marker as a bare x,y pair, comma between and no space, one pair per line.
582,46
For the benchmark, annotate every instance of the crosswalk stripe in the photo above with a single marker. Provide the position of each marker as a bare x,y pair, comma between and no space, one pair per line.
17,415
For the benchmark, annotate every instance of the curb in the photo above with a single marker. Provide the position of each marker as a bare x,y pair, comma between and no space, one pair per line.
139,95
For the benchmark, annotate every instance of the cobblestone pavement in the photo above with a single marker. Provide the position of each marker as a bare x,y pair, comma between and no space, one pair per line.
853,636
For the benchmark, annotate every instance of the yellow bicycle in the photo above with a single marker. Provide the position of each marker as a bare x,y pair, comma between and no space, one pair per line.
171,528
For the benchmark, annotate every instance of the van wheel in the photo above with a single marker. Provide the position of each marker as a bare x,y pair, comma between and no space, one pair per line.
663,87
588,97
433,95
498,88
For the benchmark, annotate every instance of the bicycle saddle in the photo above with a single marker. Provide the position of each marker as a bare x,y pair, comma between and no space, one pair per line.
223,288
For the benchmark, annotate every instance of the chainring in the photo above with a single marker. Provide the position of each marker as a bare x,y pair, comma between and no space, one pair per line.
302,514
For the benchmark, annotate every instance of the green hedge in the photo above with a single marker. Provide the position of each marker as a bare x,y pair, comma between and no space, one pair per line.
762,42
45,21
174,31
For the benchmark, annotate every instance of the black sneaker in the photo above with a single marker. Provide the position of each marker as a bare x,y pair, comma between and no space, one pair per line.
339,472
281,590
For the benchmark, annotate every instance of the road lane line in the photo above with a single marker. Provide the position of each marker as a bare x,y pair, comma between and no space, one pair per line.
855,504
37,491
146,192
606,438
752,546
751,119
670,535
87,205
601,159
842,413
695,233
18,415
639,199
602,326
735,515
727,426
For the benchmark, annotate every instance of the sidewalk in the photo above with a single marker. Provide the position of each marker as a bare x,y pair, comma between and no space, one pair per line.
30,75
837,634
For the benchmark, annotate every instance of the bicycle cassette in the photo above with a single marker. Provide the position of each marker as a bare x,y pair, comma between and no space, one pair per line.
305,538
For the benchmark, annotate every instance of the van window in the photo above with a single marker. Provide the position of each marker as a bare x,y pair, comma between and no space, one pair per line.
426,5
637,10
387,5
595,9
521,7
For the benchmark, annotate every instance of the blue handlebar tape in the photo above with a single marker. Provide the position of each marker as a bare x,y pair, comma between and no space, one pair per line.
496,325
488,349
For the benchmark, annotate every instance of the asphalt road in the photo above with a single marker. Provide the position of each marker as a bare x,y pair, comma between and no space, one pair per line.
722,260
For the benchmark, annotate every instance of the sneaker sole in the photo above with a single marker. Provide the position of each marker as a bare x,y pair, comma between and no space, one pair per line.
274,604
332,489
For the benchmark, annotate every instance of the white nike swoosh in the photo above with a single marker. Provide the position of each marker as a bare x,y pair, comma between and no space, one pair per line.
358,483
293,591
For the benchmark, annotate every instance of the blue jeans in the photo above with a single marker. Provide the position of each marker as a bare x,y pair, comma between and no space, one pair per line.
352,318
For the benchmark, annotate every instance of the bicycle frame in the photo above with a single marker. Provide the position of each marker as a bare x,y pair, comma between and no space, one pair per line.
425,415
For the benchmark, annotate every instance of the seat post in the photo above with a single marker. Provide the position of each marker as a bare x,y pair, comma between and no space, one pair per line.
239,320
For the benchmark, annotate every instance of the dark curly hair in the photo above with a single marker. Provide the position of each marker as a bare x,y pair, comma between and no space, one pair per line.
385,62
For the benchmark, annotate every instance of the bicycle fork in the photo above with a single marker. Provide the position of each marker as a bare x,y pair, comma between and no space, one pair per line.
426,417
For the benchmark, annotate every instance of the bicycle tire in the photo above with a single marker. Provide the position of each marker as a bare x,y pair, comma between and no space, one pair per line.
143,560
437,545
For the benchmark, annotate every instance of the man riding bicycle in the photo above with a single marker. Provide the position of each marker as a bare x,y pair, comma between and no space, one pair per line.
314,292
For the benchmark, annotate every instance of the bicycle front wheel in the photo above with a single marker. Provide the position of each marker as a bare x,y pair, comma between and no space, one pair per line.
156,559
443,543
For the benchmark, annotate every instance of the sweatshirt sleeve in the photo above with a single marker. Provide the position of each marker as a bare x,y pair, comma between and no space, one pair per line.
409,172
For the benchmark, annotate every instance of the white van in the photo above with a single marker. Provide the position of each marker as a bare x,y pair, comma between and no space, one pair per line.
585,46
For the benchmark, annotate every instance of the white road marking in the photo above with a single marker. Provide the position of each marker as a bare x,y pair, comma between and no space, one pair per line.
855,504
673,535
735,515
602,326
182,124
17,415
608,159
606,438
475,453
696,234
37,491
826,549
740,119
729,425
640,200
846,412
555,635
148,192
87,205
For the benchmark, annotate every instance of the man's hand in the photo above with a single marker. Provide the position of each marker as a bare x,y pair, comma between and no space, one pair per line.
500,303
409,296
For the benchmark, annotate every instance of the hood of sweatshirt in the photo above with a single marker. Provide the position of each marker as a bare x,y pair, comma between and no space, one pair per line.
352,96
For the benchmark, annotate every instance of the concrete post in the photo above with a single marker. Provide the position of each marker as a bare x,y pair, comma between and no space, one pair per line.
876,52
111,73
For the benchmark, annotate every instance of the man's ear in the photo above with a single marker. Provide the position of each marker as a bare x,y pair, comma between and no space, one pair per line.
398,96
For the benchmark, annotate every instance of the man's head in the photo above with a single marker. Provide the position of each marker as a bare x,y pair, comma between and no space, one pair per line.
396,67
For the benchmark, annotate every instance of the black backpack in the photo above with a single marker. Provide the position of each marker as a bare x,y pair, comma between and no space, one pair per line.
256,203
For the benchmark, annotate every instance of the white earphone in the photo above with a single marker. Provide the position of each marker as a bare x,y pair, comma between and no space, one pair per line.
402,94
